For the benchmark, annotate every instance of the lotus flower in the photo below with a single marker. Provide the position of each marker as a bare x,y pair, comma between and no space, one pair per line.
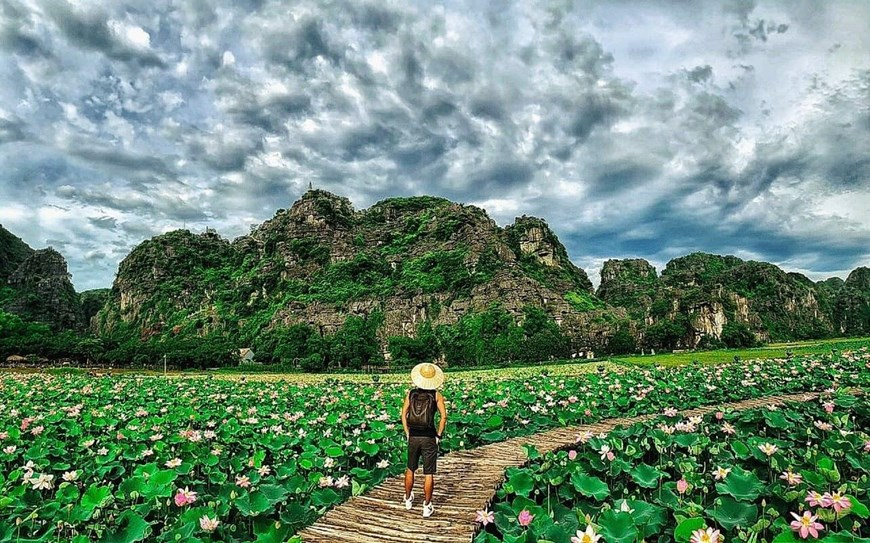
525,518
208,524
806,525
682,486
768,449
485,517
185,497
572,454
791,478
174,463
589,536
837,501
816,499
721,473
708,535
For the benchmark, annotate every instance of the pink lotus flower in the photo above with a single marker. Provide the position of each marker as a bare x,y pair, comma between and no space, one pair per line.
525,518
791,478
682,486
806,525
485,517
867,446
208,524
670,412
572,454
728,429
719,415
708,535
829,407
185,497
816,499
610,456
837,501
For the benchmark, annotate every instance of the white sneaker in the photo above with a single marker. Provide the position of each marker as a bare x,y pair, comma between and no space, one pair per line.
428,509
409,501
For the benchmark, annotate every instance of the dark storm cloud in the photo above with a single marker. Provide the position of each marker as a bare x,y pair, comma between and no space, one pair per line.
133,164
107,223
633,128
11,130
91,31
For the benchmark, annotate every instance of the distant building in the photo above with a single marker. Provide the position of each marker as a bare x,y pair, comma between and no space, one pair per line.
246,356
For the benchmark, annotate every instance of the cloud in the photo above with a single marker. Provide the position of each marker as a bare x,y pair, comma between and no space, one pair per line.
93,30
633,128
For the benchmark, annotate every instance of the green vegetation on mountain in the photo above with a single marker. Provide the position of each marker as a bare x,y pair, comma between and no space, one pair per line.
13,251
324,286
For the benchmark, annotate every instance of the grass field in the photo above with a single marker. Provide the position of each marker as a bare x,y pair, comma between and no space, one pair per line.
773,350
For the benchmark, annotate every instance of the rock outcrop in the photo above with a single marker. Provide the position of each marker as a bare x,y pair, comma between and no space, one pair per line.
43,291
13,251
852,304
414,260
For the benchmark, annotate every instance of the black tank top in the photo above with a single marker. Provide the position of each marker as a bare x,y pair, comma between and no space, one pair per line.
426,432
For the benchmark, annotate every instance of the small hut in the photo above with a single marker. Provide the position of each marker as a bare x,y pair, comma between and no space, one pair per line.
246,356
16,359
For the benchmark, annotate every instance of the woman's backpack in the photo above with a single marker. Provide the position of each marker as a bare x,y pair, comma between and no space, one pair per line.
421,409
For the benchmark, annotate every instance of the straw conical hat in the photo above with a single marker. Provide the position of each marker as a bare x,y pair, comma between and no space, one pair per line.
428,376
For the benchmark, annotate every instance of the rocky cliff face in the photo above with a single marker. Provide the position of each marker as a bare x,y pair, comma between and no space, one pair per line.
13,251
707,292
413,259
631,284
426,259
852,304
164,276
42,291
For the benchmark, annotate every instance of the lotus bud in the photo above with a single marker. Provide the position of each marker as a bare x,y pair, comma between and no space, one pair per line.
134,495
233,495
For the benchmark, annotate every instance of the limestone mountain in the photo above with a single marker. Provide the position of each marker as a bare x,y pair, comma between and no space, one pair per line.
13,251
40,290
852,304
701,298
412,260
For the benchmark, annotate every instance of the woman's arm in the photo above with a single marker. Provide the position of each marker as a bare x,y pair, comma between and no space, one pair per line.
443,410
405,414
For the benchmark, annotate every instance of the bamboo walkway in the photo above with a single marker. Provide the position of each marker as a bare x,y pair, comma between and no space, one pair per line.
466,481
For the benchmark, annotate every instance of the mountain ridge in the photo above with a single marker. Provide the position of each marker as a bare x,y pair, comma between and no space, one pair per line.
415,276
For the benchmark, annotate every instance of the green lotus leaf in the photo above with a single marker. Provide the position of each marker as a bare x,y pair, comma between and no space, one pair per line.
494,421
334,451
96,496
131,528
617,527
521,483
646,476
590,486
730,513
273,493
741,484
683,531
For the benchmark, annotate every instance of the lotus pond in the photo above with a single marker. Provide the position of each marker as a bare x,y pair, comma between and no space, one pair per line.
126,458
778,474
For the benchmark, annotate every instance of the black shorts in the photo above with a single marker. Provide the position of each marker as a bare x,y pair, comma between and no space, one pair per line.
425,446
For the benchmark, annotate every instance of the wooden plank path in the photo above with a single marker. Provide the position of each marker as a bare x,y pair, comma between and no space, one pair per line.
466,481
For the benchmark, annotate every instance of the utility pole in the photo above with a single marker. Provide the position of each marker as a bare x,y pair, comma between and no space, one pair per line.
164,365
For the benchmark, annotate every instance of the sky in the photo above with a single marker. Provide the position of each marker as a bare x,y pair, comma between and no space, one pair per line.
635,129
